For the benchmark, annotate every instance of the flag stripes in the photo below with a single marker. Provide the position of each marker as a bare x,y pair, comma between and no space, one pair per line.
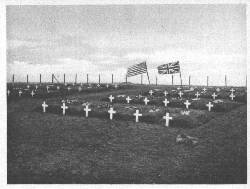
137,69
169,68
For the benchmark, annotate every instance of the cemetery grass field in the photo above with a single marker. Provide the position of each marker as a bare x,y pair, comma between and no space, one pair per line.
52,148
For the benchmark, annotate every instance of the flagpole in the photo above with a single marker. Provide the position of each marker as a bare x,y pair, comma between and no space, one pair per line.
147,74
180,75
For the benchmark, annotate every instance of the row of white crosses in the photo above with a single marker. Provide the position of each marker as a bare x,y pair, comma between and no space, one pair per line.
166,102
111,111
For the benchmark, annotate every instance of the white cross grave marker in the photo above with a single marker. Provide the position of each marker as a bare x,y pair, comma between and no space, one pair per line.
28,86
64,107
214,95
58,87
197,94
44,105
204,89
137,114
151,92
178,88
69,88
79,89
146,101
165,93
232,96
167,118
107,85
116,86
36,87
187,103
232,90
166,102
8,92
180,94
98,85
20,93
209,105
111,98
111,112
47,87
128,99
32,93
87,110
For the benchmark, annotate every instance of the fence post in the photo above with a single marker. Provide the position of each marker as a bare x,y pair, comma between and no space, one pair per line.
172,79
64,79
207,81
40,79
87,78
189,81
126,78
13,79
76,79
52,78
156,80
99,79
225,80
141,78
27,78
112,78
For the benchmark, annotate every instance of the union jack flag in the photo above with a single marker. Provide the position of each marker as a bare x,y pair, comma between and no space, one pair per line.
170,68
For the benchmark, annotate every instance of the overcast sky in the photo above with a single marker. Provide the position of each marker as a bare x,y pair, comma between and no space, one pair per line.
206,39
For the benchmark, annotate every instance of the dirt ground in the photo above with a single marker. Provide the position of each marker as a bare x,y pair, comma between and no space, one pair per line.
51,148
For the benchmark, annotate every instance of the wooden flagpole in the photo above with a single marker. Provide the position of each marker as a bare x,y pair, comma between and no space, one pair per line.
172,79
180,78
147,73
180,75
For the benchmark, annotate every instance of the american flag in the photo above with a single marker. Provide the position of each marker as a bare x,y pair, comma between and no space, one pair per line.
137,69
169,68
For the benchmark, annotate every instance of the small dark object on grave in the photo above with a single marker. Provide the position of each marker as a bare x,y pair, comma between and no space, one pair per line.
185,139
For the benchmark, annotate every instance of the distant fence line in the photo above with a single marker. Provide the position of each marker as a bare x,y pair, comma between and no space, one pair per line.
53,78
